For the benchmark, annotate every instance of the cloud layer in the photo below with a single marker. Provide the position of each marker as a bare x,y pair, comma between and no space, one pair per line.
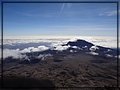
102,41
33,49
53,44
17,53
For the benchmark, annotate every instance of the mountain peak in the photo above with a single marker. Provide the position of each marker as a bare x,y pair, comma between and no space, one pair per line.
80,43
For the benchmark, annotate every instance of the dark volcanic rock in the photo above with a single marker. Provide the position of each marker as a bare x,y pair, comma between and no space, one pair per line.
10,60
22,82
57,60
80,43
34,60
24,62
99,61
73,73
68,69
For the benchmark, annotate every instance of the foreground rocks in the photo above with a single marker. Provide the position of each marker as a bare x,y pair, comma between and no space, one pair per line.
71,70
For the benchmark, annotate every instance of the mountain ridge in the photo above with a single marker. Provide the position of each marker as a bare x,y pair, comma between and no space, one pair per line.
78,46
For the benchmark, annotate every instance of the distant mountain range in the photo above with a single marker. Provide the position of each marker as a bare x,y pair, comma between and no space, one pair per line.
78,46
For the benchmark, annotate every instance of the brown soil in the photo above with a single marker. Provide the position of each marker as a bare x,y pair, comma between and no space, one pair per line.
72,70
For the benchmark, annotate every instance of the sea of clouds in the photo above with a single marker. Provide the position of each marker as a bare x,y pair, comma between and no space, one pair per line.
16,47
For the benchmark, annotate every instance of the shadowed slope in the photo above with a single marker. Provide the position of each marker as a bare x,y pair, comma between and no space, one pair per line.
25,82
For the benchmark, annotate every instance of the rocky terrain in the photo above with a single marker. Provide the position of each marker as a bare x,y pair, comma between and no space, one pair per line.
81,65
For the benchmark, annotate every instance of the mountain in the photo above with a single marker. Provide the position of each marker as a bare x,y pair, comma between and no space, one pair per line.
78,46
74,64
89,47
80,43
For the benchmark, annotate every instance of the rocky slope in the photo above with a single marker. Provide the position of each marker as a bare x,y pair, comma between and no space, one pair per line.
80,64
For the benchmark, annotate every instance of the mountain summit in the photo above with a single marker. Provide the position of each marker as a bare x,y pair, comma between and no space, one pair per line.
80,43
72,47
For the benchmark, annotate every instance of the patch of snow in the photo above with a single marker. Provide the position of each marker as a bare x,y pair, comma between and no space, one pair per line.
74,47
108,55
92,53
109,50
117,56
93,48
84,47
43,56
75,51
71,51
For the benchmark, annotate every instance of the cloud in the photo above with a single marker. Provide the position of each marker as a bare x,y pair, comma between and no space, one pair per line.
26,50
105,41
13,53
117,56
59,40
54,44
43,56
92,53
61,48
17,53
62,7
54,14
108,55
74,47
93,48
33,49
42,48
71,51
109,13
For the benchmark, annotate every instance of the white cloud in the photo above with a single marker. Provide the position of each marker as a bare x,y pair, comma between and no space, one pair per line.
109,50
109,13
74,47
42,48
71,51
85,47
40,56
43,56
108,55
33,49
61,48
26,50
92,53
117,56
93,48
17,53
62,7
98,40
13,53
106,41
56,43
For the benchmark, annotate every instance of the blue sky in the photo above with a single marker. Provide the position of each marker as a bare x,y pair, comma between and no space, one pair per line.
78,19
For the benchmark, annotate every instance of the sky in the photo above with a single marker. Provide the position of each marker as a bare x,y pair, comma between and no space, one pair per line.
59,19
